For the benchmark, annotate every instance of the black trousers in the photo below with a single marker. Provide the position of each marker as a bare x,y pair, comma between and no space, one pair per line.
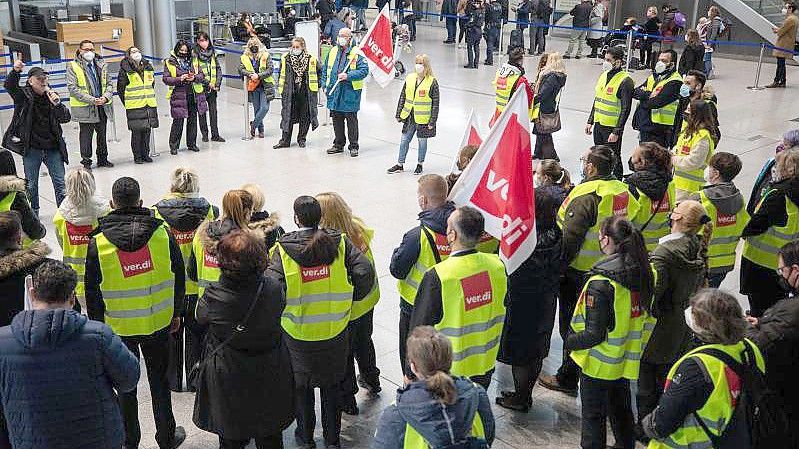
212,116
665,138
651,380
362,350
601,135
191,127
155,349
87,131
646,54
338,128
186,347
472,52
269,442
492,40
306,414
545,147
404,330
570,288
484,380
603,399
140,143
305,125
779,77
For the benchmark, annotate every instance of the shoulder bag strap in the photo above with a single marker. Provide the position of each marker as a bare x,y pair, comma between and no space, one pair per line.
432,243
734,365
657,208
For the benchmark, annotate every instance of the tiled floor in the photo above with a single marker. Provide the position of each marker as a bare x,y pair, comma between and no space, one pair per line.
751,121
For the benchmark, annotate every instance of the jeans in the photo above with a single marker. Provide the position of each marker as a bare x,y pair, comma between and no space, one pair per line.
260,107
452,24
87,131
570,289
306,414
406,140
338,128
714,280
55,165
268,442
708,59
601,135
603,399
140,143
212,116
191,126
578,37
780,75
492,39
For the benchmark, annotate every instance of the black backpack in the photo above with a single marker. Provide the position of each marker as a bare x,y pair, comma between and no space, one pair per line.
758,407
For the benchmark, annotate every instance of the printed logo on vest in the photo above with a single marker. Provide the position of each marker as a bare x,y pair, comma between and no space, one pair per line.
685,150
486,237
664,204
422,93
609,90
476,290
620,203
311,274
726,220
441,244
210,260
183,237
136,262
635,304
502,83
734,384
656,91
78,235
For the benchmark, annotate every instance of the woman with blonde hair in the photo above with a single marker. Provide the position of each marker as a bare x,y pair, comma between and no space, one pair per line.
336,214
297,86
435,409
417,110
548,86
77,216
256,66
268,224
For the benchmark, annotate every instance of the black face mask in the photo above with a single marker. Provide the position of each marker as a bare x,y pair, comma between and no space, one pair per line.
183,55
785,286
254,49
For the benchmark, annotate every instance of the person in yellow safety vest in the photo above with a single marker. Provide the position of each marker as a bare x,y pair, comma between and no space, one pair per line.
727,211
322,273
417,110
183,210
337,215
609,330
463,297
705,383
437,408
693,150
652,184
203,267
588,204
342,77
774,223
695,87
135,283
613,98
507,80
264,224
298,87
659,102
90,96
205,61
256,66
422,247
13,197
186,96
76,217
136,90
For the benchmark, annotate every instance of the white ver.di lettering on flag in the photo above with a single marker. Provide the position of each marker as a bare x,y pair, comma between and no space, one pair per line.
378,48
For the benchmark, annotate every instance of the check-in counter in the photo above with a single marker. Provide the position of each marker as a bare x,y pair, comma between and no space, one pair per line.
111,32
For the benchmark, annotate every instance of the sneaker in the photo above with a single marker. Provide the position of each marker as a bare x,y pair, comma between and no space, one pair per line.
217,139
105,163
418,169
395,169
280,144
335,150
179,438
147,159
353,152
205,139
552,383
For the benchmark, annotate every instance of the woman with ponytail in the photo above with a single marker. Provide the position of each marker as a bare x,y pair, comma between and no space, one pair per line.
610,328
322,273
435,410
680,260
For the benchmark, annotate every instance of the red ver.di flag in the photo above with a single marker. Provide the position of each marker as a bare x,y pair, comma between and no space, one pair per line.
499,183
378,48
471,136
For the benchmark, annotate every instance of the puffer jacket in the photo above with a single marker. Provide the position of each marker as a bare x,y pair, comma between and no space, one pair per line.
15,266
267,224
86,214
680,273
138,118
179,101
652,183
184,213
58,373
440,425
31,226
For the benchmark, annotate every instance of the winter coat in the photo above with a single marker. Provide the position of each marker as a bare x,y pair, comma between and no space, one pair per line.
90,113
249,372
184,213
547,91
210,232
139,119
595,22
652,183
87,214
18,135
523,10
786,37
680,273
332,27
179,101
288,101
692,59
208,58
129,230
268,225
581,14
15,266
440,425
58,373
31,225
345,98
321,363
422,131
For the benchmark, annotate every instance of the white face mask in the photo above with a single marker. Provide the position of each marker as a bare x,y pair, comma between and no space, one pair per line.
689,320
419,68
88,56
342,41
660,67
784,10
135,56
707,175
607,66
296,51
536,182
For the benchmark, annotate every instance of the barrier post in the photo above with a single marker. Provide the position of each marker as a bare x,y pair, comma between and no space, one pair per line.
501,41
629,50
759,65
246,135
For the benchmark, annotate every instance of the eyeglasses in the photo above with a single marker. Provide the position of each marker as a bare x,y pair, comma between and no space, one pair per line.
779,269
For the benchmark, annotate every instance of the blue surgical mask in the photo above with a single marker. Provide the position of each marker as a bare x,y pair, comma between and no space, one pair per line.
685,91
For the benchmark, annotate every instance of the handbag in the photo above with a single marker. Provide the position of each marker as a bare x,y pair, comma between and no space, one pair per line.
193,378
548,123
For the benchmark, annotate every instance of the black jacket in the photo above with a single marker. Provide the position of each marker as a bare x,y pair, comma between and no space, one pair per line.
129,230
581,215
642,119
625,96
139,118
422,131
18,135
184,214
582,14
547,93
772,211
652,183
31,225
692,59
494,14
15,266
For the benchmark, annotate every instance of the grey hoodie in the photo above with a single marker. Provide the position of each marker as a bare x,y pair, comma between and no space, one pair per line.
726,198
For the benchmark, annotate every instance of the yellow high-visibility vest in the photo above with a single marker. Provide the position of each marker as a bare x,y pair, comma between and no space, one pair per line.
313,78
364,306
407,287
173,71
80,74
417,99
667,114
658,226
207,264
727,230
414,440
763,249
352,56
503,86
691,181
140,92
199,65
607,106
264,62
74,244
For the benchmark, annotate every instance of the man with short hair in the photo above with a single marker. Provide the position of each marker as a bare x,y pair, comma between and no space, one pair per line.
59,370
463,297
693,88
90,96
659,101
581,18
135,283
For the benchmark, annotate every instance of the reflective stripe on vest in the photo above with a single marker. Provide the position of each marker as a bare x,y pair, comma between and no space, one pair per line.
763,249
607,106
667,114
417,99
407,287
659,224
717,412
74,241
691,180
414,440
473,289
80,74
318,299
264,61
140,92
173,71
313,79
727,230
208,270
503,88
364,306
619,356
185,240
138,287
615,201
210,76
353,61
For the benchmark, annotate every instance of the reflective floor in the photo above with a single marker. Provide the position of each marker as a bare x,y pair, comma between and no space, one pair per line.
752,122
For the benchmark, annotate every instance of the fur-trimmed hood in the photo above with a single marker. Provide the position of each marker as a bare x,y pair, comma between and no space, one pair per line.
11,183
20,259
264,222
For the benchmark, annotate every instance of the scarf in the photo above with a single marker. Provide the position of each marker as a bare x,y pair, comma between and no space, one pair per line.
300,65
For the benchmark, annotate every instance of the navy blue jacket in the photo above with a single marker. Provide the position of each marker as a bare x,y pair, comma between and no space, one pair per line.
58,372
